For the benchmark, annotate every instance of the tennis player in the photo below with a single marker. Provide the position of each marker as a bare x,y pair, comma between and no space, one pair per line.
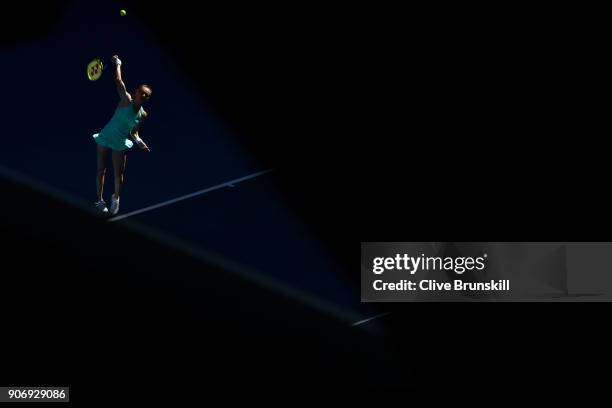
116,137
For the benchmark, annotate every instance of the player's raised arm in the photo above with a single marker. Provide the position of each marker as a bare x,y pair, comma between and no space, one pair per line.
123,93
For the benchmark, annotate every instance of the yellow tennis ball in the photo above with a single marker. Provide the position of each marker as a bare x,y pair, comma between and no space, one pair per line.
122,13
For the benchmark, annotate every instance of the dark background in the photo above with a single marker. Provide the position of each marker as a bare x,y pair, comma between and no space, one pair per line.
414,125
464,123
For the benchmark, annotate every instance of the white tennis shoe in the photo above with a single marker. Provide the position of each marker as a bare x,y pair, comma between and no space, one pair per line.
114,209
101,206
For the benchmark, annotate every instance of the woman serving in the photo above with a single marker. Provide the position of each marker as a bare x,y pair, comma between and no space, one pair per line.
116,137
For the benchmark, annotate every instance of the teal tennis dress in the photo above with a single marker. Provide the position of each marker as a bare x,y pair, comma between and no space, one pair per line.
115,135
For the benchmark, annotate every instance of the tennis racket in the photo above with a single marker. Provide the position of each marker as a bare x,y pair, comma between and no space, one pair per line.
95,69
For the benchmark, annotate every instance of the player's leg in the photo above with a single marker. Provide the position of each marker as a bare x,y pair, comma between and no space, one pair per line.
119,160
102,159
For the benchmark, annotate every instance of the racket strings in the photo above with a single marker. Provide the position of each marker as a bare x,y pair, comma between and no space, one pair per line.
94,70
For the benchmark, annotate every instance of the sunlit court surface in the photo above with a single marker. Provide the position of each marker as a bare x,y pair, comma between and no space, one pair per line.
198,183
203,256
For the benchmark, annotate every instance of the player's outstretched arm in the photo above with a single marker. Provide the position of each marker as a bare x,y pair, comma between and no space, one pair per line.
121,89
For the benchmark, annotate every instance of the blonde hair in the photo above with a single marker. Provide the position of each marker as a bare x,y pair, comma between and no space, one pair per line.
145,86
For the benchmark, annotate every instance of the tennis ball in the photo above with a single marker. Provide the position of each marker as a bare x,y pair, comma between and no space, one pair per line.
122,13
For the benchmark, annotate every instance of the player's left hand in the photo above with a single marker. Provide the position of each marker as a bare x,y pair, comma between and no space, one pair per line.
143,145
